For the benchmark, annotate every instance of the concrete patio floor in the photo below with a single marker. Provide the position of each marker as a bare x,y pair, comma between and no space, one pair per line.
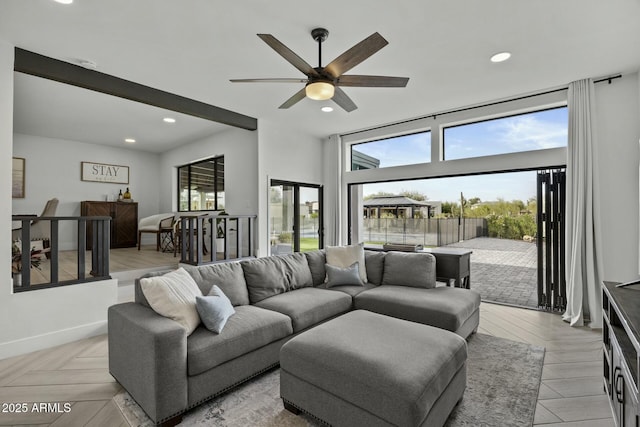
503,271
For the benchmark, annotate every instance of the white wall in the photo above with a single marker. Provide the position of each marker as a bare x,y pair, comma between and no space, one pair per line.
284,154
35,320
240,150
53,170
618,130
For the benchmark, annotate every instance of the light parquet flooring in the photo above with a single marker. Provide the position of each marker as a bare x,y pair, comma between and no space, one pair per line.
571,392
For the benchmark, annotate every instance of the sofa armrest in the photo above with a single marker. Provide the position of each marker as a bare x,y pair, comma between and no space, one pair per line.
148,357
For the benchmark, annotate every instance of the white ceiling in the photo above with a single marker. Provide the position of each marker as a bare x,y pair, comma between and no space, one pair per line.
193,48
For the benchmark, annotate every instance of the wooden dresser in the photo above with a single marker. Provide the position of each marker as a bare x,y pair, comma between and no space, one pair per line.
124,221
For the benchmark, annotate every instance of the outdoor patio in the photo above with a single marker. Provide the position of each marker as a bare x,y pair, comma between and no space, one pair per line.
503,270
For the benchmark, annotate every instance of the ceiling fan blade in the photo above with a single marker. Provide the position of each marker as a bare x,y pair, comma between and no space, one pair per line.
284,80
372,81
341,98
288,54
299,96
356,55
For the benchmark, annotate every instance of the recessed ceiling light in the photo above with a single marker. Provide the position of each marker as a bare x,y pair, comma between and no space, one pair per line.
129,140
500,57
327,109
169,120
64,1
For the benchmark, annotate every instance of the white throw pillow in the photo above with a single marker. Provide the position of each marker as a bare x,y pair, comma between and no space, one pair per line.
344,256
173,295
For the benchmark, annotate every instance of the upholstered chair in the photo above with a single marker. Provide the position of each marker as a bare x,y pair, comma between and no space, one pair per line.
40,230
161,225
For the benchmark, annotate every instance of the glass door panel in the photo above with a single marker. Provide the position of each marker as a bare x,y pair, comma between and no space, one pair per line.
309,219
295,217
282,218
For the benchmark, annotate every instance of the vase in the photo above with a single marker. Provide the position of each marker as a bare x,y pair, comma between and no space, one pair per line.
17,279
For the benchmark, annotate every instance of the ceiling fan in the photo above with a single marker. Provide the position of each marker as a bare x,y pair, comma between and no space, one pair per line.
324,83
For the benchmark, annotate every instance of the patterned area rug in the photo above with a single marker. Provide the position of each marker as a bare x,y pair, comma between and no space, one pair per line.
503,378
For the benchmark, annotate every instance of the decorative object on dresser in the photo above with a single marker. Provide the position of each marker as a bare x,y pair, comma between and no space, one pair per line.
124,223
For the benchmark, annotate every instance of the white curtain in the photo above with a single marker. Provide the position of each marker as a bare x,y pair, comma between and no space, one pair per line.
332,194
583,249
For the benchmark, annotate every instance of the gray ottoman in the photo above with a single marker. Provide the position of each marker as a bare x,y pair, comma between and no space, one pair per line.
367,369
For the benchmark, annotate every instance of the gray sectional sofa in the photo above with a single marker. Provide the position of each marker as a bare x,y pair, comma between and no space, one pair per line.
275,298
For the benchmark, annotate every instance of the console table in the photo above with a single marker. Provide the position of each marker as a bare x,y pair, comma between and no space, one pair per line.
621,350
452,264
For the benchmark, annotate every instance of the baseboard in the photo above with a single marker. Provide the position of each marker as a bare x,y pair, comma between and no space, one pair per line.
40,342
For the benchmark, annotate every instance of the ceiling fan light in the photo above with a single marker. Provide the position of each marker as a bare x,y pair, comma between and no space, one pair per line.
320,91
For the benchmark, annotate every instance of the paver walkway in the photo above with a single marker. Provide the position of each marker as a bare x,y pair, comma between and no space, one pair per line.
503,270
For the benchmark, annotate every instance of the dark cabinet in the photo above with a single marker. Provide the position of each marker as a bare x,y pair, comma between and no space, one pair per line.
621,320
124,221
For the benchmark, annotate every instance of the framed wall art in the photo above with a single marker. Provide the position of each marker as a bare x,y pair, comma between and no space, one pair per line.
103,172
17,178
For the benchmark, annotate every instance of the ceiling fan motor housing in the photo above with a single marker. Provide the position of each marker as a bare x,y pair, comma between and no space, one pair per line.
319,34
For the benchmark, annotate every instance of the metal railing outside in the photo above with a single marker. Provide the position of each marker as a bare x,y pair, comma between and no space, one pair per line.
423,231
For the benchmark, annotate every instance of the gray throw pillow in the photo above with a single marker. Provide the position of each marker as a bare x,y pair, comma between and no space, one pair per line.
338,276
214,309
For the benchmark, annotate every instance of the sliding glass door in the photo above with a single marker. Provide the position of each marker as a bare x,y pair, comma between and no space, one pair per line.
295,217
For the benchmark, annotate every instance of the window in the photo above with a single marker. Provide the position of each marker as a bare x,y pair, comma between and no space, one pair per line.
396,151
201,185
524,132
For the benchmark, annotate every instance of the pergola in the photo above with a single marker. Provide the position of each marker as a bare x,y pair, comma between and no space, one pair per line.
399,206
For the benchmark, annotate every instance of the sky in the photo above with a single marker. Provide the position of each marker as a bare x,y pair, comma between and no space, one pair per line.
532,131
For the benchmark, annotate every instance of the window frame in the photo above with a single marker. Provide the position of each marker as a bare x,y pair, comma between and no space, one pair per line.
401,135
216,163
438,167
490,119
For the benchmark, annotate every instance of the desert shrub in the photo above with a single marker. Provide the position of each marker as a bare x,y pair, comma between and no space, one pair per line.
511,227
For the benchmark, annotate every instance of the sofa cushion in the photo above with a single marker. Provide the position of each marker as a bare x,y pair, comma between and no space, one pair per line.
250,328
409,269
214,309
337,276
173,295
274,275
344,256
317,260
374,262
296,270
442,307
308,306
352,290
228,276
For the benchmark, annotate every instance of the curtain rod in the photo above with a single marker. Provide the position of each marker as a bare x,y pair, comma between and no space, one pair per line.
504,101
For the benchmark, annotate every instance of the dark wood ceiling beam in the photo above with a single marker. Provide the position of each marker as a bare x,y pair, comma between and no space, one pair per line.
53,69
